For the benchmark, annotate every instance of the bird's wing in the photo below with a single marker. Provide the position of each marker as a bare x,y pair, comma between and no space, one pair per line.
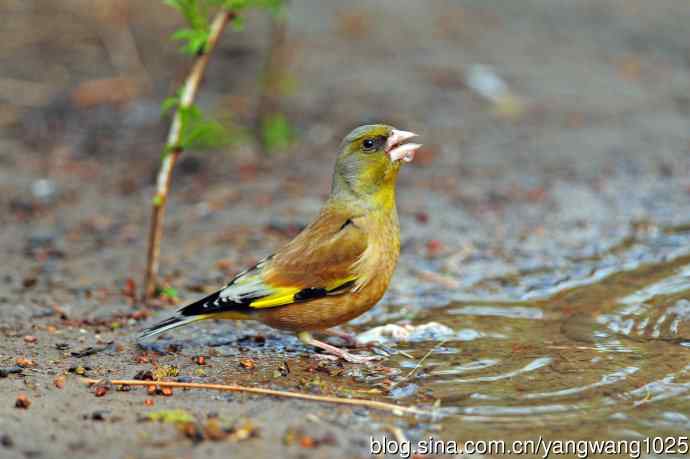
322,260
317,263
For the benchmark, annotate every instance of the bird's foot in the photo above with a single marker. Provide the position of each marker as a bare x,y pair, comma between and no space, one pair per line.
309,340
349,339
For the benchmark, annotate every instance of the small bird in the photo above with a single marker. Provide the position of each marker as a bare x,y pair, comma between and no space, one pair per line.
339,266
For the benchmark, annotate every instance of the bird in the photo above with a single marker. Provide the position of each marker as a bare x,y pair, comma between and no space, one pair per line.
339,266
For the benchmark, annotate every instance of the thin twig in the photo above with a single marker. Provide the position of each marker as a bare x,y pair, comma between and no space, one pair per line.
173,150
419,364
396,409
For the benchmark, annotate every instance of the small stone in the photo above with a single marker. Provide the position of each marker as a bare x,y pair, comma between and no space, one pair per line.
43,189
6,441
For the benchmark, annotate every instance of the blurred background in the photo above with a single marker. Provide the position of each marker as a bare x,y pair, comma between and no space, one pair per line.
554,179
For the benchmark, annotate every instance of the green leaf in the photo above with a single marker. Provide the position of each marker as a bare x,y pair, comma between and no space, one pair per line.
199,132
195,40
276,132
169,292
170,104
237,23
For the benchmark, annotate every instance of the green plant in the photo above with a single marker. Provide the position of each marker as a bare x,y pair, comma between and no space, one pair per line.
205,21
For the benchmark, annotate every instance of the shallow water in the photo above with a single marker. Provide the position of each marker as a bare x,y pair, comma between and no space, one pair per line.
598,347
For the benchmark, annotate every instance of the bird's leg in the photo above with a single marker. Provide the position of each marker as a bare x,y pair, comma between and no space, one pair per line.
309,340
350,339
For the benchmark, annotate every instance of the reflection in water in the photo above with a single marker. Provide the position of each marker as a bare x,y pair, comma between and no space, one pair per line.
516,312
533,365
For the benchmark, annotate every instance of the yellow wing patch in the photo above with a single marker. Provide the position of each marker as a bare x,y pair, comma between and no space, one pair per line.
286,295
280,297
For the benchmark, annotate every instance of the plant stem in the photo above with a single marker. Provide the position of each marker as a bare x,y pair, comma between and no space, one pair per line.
173,151
396,409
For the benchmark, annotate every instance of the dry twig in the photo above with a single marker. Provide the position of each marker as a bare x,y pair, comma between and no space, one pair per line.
396,409
419,364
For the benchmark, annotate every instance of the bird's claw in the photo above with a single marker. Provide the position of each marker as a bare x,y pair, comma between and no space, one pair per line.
353,358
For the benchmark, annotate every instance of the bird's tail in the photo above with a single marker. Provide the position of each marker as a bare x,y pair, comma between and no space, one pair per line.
175,321
185,315
212,306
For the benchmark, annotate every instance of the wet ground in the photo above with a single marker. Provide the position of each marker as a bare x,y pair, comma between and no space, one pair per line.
553,242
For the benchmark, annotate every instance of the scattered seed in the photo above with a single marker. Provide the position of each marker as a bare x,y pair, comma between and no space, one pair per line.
149,402
59,382
248,364
434,247
167,391
22,402
30,339
24,362
307,442
101,391
130,288
200,360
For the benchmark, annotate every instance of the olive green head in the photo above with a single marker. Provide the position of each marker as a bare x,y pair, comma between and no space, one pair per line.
369,160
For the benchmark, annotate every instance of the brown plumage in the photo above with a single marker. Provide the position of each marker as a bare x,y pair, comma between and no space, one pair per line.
330,249
339,266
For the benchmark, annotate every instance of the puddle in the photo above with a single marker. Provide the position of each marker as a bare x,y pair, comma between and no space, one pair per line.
586,348
600,350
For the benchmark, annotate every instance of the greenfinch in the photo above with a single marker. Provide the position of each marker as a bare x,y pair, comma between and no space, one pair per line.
339,266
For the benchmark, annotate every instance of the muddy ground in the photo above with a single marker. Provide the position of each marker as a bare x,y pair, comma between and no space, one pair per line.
597,153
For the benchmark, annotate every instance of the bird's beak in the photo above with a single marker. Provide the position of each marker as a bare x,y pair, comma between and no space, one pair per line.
397,149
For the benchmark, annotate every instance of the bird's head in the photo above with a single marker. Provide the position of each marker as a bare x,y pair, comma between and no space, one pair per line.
369,160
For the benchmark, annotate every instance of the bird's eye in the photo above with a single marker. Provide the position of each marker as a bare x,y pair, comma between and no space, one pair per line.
368,144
